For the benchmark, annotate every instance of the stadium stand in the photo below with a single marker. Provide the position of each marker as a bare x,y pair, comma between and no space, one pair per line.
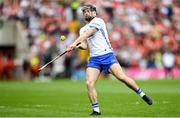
145,35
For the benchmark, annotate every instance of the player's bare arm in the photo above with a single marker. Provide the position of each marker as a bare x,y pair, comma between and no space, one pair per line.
81,38
83,45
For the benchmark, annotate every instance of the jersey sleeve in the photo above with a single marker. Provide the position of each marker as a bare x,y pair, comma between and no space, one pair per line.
81,31
96,23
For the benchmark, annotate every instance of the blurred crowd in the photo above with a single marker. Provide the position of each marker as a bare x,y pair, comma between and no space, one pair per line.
143,33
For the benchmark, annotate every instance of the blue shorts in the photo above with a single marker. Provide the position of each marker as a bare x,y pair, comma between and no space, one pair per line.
102,62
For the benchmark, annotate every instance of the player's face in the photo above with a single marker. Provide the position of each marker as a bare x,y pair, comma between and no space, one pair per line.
88,14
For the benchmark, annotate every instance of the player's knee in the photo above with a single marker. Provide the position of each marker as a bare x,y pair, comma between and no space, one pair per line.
90,83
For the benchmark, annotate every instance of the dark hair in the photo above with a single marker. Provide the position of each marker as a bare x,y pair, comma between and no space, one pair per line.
89,6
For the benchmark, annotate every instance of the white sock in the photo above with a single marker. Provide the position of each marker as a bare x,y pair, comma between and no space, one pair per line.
95,107
140,92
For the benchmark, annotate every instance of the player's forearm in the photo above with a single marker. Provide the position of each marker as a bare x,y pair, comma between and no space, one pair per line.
84,36
80,39
82,46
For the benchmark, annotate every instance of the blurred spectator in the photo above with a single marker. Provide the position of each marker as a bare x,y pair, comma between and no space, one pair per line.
168,60
7,66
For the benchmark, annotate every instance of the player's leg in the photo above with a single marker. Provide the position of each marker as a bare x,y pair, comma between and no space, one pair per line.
92,75
117,71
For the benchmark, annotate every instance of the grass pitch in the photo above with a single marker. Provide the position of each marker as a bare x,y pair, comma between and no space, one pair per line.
66,98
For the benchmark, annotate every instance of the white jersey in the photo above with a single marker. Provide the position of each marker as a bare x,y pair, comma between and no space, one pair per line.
98,43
